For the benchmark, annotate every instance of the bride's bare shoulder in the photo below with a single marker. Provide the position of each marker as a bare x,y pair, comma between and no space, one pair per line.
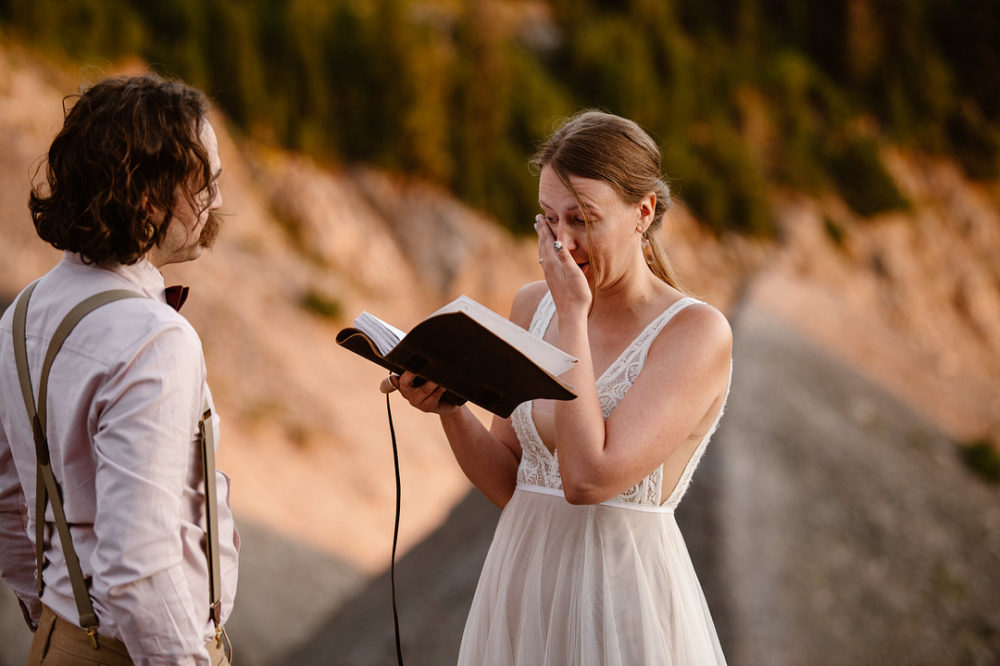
526,302
699,331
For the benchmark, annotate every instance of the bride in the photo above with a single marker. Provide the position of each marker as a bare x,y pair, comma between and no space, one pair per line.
587,565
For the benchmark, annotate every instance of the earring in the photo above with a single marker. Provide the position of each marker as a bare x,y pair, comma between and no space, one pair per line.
647,248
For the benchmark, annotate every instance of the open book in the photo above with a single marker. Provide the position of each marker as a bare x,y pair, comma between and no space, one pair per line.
474,353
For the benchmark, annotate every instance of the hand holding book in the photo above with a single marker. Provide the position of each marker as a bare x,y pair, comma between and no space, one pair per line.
471,351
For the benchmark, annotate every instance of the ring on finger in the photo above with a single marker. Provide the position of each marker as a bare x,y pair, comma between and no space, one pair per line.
557,246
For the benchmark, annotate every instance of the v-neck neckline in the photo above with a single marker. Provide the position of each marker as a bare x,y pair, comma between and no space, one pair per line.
667,313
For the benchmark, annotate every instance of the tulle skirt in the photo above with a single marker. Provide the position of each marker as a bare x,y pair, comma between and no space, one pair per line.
587,585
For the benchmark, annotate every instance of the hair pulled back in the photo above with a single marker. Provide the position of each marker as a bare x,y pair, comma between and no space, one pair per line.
602,146
125,141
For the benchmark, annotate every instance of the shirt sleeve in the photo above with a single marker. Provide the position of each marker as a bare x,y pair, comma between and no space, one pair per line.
17,553
147,415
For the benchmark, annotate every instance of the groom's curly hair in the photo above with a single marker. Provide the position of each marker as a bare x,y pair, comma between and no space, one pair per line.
128,145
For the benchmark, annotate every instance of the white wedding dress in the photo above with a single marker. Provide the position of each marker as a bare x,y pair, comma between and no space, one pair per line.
600,585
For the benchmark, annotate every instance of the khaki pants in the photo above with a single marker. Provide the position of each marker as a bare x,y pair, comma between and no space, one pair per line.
61,643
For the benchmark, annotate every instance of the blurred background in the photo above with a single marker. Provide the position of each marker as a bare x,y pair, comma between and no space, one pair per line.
836,167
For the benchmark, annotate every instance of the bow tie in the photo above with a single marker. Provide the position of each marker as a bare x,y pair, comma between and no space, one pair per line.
176,296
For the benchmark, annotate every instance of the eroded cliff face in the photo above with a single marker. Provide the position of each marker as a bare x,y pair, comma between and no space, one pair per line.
911,300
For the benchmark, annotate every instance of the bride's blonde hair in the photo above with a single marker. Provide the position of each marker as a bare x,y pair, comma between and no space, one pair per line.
603,146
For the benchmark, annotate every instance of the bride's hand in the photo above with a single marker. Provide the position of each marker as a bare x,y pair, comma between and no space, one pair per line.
569,286
422,394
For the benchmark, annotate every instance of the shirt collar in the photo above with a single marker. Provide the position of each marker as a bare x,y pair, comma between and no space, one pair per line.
141,276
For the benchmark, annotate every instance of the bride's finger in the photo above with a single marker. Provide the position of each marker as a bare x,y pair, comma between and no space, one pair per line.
544,230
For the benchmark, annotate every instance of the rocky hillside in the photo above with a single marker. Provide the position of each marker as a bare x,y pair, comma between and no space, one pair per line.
304,250
913,300
909,301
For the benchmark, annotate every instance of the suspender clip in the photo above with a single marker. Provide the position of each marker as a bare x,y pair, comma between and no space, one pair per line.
215,612
92,636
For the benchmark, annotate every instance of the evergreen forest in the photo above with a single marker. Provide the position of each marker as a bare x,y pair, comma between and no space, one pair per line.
744,96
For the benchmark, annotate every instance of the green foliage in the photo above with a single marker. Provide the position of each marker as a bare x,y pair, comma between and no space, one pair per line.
982,457
807,106
724,183
86,29
862,179
322,305
458,92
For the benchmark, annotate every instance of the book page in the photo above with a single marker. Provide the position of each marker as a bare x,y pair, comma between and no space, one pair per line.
549,357
384,335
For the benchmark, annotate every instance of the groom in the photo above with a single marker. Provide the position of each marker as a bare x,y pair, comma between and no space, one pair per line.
134,558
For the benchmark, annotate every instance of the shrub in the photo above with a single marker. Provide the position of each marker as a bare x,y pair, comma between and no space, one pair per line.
982,457
322,305
862,180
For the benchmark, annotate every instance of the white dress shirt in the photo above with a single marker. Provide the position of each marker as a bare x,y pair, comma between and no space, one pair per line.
125,395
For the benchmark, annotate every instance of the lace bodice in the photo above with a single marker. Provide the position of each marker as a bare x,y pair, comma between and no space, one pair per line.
540,468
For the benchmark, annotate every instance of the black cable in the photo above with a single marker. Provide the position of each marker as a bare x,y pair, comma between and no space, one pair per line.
395,532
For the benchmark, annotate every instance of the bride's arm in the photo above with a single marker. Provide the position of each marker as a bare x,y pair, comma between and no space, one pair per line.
489,458
685,375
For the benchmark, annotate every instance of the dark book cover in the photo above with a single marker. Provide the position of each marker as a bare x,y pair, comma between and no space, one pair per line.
469,360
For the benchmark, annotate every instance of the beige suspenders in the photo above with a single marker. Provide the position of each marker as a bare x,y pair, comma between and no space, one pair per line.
46,487
207,438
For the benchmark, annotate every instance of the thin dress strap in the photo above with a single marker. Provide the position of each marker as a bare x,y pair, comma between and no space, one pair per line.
543,315
616,380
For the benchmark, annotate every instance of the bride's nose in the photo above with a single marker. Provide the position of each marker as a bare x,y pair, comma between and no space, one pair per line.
565,235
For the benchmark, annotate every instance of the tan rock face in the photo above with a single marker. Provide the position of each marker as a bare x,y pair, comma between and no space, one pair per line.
912,300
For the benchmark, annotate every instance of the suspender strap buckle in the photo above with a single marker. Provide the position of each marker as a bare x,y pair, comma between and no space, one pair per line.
92,636
216,612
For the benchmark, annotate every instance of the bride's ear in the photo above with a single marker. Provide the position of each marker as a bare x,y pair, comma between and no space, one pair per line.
647,207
